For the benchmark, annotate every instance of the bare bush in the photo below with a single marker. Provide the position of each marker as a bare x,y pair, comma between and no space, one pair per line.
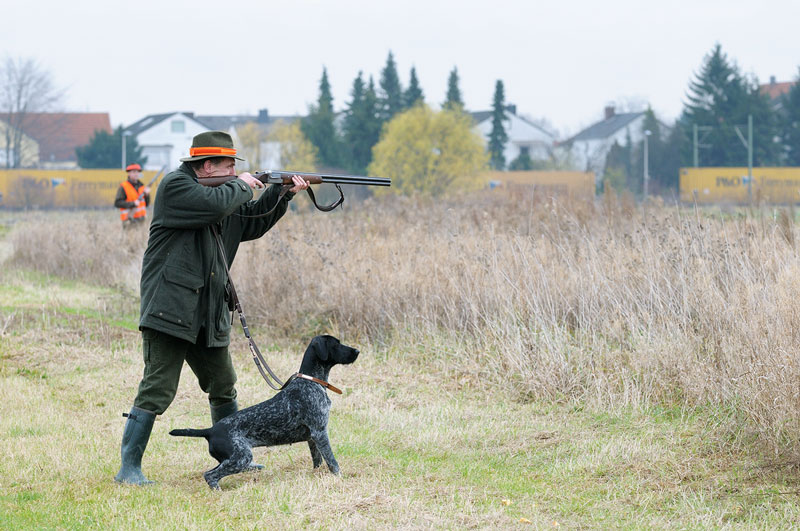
569,301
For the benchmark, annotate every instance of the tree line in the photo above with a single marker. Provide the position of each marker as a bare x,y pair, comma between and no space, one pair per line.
346,139
712,129
718,102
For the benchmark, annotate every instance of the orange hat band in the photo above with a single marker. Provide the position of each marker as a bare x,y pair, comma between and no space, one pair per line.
211,151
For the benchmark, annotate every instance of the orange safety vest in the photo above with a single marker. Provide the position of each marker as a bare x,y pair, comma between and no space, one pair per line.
135,196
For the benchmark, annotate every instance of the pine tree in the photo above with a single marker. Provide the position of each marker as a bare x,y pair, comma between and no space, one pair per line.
498,136
453,100
361,125
103,150
391,97
790,125
721,98
413,93
319,128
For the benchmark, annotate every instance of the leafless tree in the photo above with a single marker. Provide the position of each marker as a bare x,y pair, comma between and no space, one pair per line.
25,90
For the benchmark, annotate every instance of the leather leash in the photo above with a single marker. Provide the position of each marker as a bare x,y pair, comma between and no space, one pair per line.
258,359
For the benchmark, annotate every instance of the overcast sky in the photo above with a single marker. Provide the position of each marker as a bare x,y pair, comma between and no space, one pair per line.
561,60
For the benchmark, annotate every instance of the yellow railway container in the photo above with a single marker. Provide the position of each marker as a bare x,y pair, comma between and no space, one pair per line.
730,185
574,184
62,188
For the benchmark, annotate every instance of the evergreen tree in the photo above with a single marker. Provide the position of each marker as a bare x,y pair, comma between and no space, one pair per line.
391,96
413,93
453,100
498,136
721,98
361,125
790,125
319,127
522,163
104,150
618,169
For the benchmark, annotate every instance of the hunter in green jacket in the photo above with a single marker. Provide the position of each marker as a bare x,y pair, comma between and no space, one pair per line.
183,277
184,308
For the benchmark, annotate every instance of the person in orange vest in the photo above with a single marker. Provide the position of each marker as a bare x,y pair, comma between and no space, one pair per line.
132,198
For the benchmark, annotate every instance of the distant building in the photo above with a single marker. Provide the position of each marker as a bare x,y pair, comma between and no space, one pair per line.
590,147
166,138
523,135
58,135
29,149
776,91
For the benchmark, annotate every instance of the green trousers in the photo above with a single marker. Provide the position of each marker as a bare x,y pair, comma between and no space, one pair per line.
163,360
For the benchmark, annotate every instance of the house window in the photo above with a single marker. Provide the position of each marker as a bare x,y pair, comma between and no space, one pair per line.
525,150
178,126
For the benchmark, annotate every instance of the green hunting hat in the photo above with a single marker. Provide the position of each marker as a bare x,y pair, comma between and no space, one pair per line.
211,144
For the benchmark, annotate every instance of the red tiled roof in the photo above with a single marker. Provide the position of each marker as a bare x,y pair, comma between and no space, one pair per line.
58,134
775,90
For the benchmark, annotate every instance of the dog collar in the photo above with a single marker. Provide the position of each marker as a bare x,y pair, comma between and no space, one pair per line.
323,383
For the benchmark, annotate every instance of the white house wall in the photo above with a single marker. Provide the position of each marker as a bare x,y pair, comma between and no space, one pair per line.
166,147
590,155
520,134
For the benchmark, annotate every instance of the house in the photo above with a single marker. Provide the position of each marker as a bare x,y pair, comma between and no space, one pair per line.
268,154
590,146
59,134
523,135
165,138
28,155
776,91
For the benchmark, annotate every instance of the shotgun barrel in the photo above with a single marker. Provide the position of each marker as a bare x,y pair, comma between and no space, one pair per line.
285,177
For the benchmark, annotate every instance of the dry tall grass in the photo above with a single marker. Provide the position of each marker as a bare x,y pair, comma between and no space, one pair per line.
601,302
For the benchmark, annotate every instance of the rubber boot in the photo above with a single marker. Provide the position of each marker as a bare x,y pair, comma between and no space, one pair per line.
134,441
220,412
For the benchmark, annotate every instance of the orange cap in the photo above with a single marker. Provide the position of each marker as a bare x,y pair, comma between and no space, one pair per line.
132,167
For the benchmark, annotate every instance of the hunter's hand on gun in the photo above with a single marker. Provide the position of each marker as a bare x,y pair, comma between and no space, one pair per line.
299,183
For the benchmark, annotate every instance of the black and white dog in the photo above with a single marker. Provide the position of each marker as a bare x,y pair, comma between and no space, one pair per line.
297,413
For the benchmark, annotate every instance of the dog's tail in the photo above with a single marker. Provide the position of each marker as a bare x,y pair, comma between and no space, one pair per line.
190,433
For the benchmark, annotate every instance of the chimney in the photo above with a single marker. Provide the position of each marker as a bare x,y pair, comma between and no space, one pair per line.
263,116
609,112
511,108
771,80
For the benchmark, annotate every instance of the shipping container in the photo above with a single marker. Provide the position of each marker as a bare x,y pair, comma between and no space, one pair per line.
63,188
731,185
574,184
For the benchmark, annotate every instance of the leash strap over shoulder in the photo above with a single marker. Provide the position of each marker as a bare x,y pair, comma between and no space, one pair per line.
258,359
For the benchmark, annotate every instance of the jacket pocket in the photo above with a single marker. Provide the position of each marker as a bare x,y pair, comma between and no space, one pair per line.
176,301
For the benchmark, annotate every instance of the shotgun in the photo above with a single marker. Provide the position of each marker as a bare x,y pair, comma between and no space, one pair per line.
284,178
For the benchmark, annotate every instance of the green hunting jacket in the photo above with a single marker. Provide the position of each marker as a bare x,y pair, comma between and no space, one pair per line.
183,276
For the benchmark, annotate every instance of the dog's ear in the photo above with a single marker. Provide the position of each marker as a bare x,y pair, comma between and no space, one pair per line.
319,347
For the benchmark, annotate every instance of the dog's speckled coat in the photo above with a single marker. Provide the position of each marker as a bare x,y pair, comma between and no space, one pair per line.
298,413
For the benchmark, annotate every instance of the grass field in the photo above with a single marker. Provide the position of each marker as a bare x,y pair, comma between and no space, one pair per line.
451,418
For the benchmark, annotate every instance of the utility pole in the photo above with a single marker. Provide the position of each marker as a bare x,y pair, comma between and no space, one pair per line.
125,135
646,179
696,145
749,145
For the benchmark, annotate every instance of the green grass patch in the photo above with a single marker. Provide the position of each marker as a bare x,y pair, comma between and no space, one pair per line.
417,448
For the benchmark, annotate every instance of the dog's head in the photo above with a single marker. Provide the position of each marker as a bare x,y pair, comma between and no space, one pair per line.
328,351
